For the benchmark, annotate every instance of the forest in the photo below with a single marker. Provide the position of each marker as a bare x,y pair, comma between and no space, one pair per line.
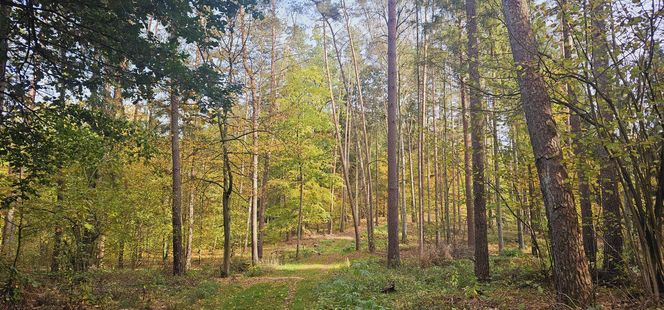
332,154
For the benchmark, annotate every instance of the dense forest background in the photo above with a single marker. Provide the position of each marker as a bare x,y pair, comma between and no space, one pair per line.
184,135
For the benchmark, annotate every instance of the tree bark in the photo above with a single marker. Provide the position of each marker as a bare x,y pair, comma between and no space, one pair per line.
477,119
570,267
392,168
178,263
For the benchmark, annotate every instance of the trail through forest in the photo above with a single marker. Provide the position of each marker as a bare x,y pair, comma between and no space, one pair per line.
329,274
331,154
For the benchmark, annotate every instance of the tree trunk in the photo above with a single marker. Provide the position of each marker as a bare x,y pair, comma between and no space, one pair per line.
496,180
392,168
435,163
422,85
227,191
470,214
190,220
266,161
477,119
178,263
299,215
587,227
570,267
446,186
402,158
342,149
413,204
254,143
57,236
365,138
515,187
613,240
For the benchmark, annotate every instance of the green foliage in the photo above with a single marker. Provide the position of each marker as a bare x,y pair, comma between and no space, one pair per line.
204,290
255,271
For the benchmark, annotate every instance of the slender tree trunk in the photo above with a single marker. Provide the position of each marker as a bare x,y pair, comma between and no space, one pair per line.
515,187
365,138
587,227
470,211
334,172
496,180
436,172
402,158
421,140
392,168
477,119
613,240
342,149
273,100
57,236
227,191
299,214
570,267
413,204
5,28
178,263
254,142
190,219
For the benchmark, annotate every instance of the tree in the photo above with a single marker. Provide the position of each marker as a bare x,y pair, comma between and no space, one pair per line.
477,136
343,151
603,74
588,231
570,267
392,166
176,212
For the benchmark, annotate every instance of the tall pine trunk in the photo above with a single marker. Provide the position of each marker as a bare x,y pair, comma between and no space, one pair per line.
477,119
570,267
392,168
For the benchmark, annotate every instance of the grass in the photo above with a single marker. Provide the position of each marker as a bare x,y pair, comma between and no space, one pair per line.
328,274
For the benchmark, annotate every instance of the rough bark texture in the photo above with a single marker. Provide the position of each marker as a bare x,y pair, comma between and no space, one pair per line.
392,167
477,119
178,255
570,267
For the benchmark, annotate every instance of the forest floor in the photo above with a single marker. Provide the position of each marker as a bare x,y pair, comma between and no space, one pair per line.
329,274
